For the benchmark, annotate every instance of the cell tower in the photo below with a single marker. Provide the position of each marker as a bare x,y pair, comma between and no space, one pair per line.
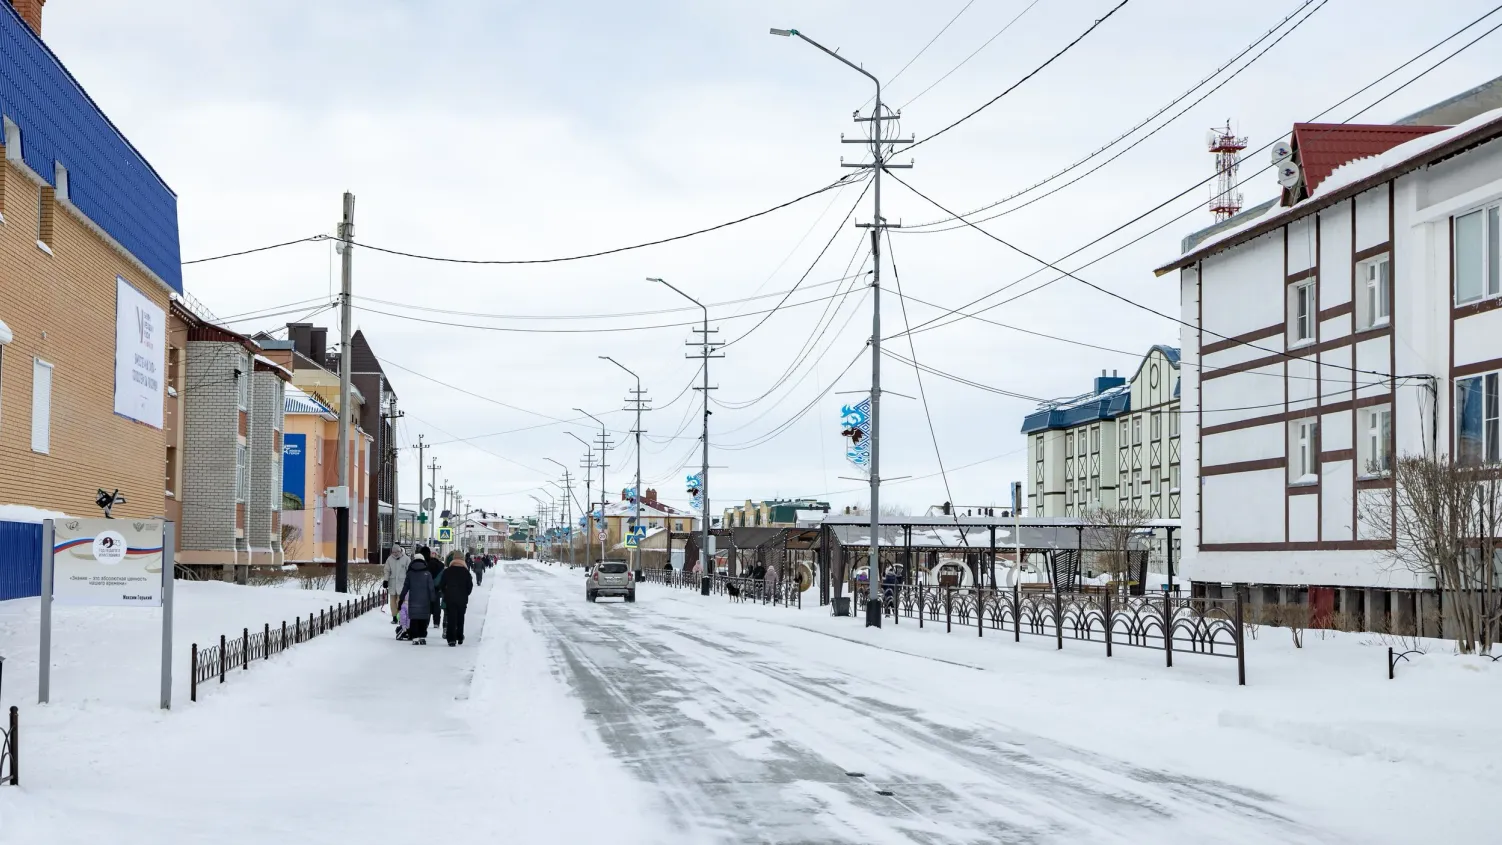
1226,146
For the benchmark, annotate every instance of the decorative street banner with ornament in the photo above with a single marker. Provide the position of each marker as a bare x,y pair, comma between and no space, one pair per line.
855,422
107,562
695,486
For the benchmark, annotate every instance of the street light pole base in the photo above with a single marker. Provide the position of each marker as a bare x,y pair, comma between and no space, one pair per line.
873,613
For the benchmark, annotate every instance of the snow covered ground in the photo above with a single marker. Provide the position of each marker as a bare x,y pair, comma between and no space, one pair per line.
684,719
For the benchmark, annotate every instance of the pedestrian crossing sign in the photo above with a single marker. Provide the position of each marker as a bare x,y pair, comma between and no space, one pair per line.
635,537
445,534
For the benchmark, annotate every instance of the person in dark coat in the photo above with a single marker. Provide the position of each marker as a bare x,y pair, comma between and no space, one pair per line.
422,600
457,586
435,572
478,567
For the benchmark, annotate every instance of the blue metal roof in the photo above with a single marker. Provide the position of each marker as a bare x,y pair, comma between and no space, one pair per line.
108,180
1106,404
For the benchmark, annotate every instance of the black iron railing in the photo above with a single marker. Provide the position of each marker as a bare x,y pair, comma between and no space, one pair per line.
10,750
1198,626
239,652
783,591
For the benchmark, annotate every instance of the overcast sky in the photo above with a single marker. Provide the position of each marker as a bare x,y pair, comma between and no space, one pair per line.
501,129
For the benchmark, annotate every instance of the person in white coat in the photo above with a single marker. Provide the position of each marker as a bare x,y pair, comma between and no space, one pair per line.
396,575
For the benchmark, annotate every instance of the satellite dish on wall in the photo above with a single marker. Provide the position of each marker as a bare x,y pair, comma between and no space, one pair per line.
1282,151
1288,174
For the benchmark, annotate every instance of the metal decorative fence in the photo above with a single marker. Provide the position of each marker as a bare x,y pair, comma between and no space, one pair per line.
239,652
10,750
783,591
1196,626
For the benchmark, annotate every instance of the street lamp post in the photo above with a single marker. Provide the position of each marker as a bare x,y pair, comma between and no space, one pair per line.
706,353
604,501
636,516
540,510
589,462
878,154
568,518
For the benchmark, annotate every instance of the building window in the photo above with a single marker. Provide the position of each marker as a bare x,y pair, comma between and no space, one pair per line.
1136,431
242,388
174,367
1478,243
1303,468
1123,433
1095,438
1375,278
172,471
242,475
1375,450
1476,420
1069,443
1040,447
1301,311
1173,482
41,406
1173,423
1157,426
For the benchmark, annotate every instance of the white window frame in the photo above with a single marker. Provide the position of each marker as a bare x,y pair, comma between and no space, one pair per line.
1375,450
1156,429
1137,431
1490,435
41,407
1303,463
1375,278
1489,264
242,386
1301,324
242,472
1173,423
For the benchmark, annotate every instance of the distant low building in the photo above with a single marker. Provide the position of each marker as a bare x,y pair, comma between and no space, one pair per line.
773,513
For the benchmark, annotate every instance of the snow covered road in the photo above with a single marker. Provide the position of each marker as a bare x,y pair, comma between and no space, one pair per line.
756,732
688,720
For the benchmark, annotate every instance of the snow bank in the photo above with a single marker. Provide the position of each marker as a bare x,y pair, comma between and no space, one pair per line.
26,513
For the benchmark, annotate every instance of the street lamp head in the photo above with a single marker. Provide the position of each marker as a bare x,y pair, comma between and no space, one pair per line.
655,279
784,32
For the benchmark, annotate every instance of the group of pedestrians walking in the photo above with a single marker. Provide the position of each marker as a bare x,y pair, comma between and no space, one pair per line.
424,587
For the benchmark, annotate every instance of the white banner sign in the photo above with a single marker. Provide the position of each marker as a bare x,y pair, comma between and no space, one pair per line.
140,355
107,562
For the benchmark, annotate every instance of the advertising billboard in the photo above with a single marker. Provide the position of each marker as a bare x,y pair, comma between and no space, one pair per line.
140,355
294,472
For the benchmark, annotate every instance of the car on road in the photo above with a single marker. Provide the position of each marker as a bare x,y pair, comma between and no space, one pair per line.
609,578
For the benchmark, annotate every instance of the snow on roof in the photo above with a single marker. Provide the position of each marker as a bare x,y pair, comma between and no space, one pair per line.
262,359
1322,148
1346,176
5,335
27,513
297,401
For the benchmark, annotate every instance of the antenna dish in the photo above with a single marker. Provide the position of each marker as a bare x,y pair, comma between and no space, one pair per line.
1211,138
1289,174
1282,151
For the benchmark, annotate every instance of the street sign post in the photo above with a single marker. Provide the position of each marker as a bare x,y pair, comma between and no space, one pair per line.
107,563
445,534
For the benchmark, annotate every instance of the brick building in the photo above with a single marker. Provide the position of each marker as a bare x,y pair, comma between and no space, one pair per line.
88,262
375,417
232,451
315,393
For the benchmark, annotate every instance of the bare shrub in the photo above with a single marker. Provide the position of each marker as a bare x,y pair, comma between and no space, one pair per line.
315,576
1251,620
1448,517
1294,617
1114,530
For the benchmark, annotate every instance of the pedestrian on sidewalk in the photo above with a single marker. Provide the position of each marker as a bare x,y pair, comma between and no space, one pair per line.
396,575
435,572
422,599
457,585
478,568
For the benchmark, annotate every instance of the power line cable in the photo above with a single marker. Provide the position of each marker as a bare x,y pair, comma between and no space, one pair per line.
309,239
915,228
1030,74
514,261
965,60
959,313
1133,303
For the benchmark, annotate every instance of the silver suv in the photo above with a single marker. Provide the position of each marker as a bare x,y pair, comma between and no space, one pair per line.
610,579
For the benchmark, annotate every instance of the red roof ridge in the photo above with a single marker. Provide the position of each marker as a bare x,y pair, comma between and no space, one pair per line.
1320,148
